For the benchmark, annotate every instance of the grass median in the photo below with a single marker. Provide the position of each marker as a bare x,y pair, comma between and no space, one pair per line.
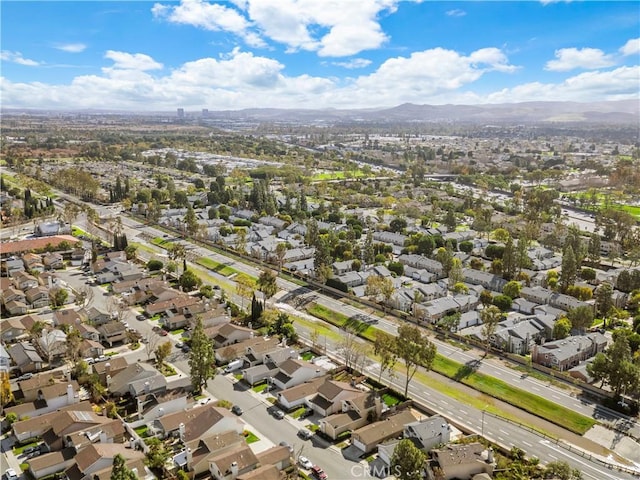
465,374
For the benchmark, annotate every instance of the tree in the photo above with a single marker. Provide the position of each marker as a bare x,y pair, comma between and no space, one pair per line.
158,454
130,251
593,250
569,270
201,358
561,471
407,461
153,340
189,280
348,346
503,302
490,317
6,395
281,251
604,301
512,289
267,283
415,350
57,296
119,471
509,260
84,296
581,317
191,221
74,340
561,328
383,347
162,351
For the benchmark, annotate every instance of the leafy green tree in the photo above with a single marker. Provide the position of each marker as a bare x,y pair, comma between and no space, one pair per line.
154,265
593,250
119,471
267,283
561,328
162,351
490,317
560,470
415,350
503,302
6,395
569,270
509,260
512,289
384,348
189,280
407,461
201,358
158,454
604,301
581,317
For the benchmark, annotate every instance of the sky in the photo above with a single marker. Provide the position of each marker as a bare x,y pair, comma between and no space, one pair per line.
236,54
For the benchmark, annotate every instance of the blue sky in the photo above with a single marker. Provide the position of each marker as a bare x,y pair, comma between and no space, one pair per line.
161,55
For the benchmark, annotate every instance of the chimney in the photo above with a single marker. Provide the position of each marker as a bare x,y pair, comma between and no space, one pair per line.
181,431
490,455
189,458
70,395
103,436
147,387
234,469
160,412
107,367
108,380
132,443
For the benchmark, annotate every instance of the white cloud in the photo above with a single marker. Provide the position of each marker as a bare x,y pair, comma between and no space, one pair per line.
16,57
131,61
585,58
456,12
243,79
632,47
210,16
71,47
618,84
353,63
333,28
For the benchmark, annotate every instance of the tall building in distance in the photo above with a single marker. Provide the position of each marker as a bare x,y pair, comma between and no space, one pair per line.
181,113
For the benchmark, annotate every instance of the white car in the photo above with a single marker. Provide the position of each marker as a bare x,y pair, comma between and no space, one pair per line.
305,462
11,474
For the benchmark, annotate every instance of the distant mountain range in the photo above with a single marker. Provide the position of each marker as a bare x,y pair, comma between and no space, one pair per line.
618,112
622,112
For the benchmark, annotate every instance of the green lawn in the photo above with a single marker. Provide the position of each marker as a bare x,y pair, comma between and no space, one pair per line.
18,450
296,413
342,321
250,437
260,387
142,430
306,356
390,400
217,267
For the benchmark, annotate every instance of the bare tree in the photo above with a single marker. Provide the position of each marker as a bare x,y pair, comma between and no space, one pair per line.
348,346
85,296
117,308
151,344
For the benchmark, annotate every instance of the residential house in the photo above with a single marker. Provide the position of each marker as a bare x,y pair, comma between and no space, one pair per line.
95,462
356,412
238,350
49,464
110,368
568,352
52,344
33,427
422,263
134,379
428,433
294,372
88,332
270,367
16,308
11,266
33,262
161,307
13,295
463,461
194,458
53,261
18,328
90,349
197,422
256,351
340,268
67,422
25,357
112,431
277,456
228,333
24,281
230,464
294,397
330,395
96,316
487,280
367,438
536,294
30,387
69,317
38,297
48,229
112,332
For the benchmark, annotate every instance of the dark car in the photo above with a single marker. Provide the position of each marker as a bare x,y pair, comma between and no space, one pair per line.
141,317
305,434
236,409
307,413
185,348
29,450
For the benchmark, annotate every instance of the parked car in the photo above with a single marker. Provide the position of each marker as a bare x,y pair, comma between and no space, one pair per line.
141,318
236,409
163,332
305,434
26,376
10,474
286,444
179,345
34,454
29,450
279,414
307,413
304,462
186,348
318,472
